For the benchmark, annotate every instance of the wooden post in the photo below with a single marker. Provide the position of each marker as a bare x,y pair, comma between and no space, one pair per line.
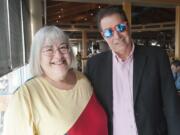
127,8
84,50
36,16
177,32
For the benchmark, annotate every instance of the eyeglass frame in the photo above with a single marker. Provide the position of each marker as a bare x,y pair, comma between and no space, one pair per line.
114,28
59,49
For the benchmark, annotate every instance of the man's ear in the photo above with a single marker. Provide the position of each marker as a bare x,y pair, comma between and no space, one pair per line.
128,28
102,34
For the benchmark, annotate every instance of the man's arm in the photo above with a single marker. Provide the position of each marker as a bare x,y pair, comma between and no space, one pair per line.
170,100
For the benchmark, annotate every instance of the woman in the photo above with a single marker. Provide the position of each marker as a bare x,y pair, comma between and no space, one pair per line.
58,100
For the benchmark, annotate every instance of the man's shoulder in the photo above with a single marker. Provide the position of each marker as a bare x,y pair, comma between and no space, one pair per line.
149,50
101,56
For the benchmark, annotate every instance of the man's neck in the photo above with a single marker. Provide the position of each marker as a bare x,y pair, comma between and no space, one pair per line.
125,53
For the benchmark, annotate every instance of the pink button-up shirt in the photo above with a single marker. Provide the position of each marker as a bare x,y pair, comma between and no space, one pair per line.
123,106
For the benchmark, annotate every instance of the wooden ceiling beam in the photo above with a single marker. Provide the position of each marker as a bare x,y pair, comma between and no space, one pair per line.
65,5
85,10
70,10
72,14
51,2
72,18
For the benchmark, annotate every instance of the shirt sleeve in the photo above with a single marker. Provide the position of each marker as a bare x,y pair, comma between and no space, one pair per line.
18,119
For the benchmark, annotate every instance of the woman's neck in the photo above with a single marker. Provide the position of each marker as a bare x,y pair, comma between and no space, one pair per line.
66,84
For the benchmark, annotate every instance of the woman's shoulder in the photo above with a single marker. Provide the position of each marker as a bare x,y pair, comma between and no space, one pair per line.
81,76
82,79
28,86
78,74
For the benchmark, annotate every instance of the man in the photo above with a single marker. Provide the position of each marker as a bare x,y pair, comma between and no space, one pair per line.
175,67
133,83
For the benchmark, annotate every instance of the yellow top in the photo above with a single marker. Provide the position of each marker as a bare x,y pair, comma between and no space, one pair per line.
38,108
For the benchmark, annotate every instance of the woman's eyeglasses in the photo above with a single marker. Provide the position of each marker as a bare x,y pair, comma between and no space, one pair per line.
121,27
50,51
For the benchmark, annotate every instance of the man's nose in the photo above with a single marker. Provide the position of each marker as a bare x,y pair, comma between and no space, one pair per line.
116,34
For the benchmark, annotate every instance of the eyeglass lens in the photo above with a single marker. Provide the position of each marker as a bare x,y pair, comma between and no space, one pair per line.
107,33
50,51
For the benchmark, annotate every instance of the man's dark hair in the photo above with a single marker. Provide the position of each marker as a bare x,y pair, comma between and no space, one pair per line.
109,11
176,63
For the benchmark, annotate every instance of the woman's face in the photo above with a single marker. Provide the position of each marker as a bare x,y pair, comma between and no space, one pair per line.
55,60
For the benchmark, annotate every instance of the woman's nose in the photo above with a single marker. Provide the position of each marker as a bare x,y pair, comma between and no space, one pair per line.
57,53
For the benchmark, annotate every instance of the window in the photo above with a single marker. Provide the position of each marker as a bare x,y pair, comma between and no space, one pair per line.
15,34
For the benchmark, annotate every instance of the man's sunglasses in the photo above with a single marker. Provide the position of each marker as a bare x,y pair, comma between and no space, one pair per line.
121,27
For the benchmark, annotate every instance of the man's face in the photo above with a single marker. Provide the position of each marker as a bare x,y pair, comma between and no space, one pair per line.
178,69
119,41
173,68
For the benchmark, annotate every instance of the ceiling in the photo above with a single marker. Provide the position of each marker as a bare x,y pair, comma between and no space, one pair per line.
71,12
61,12
154,3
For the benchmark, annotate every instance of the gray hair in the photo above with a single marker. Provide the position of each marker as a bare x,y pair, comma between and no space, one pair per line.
50,33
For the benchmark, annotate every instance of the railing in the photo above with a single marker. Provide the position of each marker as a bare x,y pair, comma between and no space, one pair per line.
135,28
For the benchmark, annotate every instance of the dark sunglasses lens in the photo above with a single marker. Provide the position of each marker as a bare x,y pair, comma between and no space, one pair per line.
121,27
107,33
